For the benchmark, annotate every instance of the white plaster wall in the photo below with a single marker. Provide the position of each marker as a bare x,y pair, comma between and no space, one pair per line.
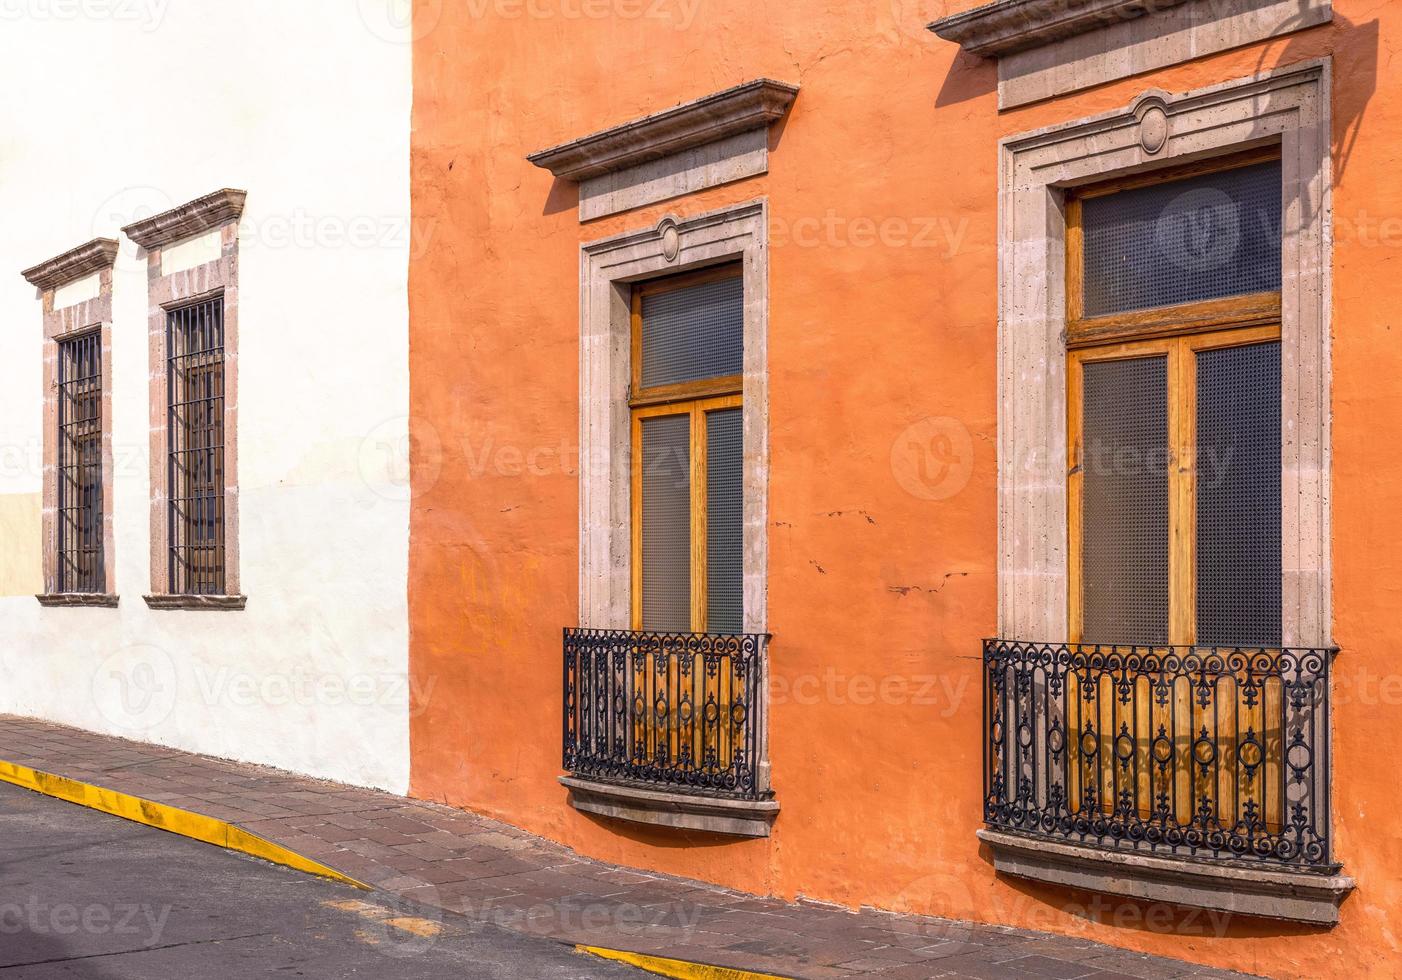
116,109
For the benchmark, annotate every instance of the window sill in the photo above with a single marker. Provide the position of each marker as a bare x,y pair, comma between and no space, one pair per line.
717,815
215,602
1268,892
98,600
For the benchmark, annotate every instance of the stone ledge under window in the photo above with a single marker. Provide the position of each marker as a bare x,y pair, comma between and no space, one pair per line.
717,815
98,600
216,602
1237,887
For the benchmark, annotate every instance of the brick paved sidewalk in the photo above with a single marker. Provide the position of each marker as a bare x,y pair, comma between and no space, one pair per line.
444,858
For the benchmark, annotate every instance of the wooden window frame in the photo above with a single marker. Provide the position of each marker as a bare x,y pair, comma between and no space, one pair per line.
1249,310
1181,369
1176,333
696,399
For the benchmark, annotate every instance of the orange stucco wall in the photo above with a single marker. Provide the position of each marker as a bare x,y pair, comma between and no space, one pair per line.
882,188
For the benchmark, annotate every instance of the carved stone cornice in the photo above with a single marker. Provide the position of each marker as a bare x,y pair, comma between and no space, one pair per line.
1007,26
753,105
201,214
76,263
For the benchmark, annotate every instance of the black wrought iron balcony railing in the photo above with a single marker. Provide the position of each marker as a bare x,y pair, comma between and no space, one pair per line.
682,712
1218,753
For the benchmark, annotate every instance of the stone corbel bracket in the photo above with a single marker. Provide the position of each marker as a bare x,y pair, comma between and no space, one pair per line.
202,214
1047,48
713,140
94,256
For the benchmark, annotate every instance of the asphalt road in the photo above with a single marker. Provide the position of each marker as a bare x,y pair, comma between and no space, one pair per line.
84,894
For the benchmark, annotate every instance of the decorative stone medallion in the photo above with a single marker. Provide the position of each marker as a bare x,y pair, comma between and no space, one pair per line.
1153,129
671,239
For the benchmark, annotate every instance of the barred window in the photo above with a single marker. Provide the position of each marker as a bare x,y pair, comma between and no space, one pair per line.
81,562
688,453
195,383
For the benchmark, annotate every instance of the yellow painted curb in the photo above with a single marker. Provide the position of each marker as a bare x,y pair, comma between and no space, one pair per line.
682,969
196,826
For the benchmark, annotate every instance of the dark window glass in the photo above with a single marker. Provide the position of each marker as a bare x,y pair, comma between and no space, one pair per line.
1238,495
725,521
666,530
693,333
1206,237
1124,550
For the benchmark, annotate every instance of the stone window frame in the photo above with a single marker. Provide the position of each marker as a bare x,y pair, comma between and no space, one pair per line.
92,314
608,270
219,212
1288,107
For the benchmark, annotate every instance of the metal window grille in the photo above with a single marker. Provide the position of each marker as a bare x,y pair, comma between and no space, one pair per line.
195,382
81,565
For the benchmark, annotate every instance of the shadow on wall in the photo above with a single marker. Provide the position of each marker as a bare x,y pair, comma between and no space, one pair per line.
666,837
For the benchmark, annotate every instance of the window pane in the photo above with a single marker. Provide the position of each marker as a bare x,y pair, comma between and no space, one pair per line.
1203,238
80,556
1124,549
725,522
195,379
1238,496
666,530
693,333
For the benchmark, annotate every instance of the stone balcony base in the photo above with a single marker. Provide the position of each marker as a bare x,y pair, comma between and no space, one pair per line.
717,815
1265,891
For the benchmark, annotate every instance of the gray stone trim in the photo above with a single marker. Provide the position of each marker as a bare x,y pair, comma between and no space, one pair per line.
1236,887
716,815
1006,26
74,599
210,602
753,105
202,214
1288,106
90,257
1148,43
1048,48
709,165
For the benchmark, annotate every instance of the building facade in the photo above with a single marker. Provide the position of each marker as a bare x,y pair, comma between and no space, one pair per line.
203,396
933,469
923,455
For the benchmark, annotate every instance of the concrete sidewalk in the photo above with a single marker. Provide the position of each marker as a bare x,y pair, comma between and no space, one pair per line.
430,855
